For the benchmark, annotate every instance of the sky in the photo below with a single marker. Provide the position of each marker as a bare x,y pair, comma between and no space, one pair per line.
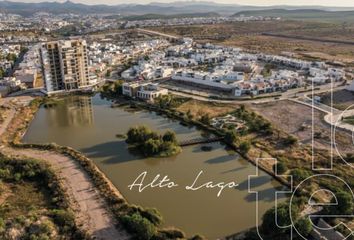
338,3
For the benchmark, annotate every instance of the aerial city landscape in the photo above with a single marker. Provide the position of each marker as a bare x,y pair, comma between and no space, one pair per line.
194,120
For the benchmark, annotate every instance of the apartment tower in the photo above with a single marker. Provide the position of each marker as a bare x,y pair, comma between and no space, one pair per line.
64,65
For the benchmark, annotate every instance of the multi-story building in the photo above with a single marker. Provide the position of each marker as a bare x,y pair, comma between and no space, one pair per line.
65,65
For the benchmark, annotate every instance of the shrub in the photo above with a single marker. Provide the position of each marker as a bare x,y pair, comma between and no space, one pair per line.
280,167
152,144
245,146
304,226
269,226
205,119
345,204
169,136
171,233
299,175
152,215
197,237
290,140
230,137
63,218
139,225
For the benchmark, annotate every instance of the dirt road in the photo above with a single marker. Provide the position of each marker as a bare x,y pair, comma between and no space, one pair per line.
90,208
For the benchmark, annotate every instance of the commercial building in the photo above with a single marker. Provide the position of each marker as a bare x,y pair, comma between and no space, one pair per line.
65,65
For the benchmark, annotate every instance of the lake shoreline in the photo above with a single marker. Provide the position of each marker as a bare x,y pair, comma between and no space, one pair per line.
167,115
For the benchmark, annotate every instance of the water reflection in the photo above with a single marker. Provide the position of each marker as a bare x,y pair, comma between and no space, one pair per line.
72,111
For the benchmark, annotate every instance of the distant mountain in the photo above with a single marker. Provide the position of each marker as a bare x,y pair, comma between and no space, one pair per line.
180,7
303,14
169,16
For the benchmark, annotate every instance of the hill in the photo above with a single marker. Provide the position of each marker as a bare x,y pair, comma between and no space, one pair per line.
303,14
180,7
170,16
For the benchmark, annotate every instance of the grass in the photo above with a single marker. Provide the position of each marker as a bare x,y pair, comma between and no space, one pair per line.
349,120
199,108
248,36
31,197
23,199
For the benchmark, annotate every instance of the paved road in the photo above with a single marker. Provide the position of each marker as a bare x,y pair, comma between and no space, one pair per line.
157,33
290,94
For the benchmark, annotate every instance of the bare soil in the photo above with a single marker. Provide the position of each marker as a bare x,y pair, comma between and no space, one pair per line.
296,119
199,108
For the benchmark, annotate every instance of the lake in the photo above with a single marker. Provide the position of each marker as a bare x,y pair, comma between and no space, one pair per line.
90,125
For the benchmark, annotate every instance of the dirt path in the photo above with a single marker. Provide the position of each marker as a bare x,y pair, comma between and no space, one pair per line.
90,208
90,205
9,116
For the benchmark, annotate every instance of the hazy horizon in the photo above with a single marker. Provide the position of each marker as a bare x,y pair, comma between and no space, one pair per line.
331,3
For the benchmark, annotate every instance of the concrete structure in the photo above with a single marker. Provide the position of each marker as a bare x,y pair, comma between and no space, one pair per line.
146,91
150,91
65,65
130,89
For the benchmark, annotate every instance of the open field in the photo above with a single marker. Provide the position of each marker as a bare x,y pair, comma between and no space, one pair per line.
199,108
303,49
249,36
296,119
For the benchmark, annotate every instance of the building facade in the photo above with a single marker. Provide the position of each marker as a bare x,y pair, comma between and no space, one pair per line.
65,65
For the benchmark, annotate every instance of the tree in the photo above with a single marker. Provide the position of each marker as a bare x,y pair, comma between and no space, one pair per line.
139,225
139,135
345,204
280,167
299,175
11,57
2,73
282,215
151,147
290,140
150,143
197,237
230,137
189,114
152,215
242,108
205,119
169,136
244,147
303,226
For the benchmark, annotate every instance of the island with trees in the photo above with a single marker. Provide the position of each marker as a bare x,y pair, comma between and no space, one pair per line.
152,144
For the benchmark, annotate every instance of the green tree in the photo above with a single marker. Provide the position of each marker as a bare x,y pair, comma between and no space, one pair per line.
2,73
304,226
299,175
139,225
11,57
282,216
151,147
345,204
189,114
231,137
153,215
205,119
290,140
280,167
245,146
169,136
63,218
